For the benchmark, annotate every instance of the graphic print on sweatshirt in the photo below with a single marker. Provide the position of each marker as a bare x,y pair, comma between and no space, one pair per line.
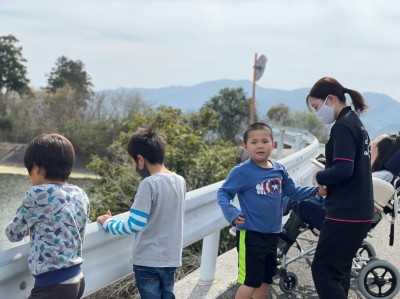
270,186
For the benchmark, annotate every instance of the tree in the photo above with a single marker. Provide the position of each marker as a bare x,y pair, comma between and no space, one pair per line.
26,116
70,73
233,109
279,114
5,127
12,70
308,121
187,153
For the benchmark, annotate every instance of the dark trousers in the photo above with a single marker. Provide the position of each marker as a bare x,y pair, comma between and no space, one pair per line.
337,245
155,282
59,291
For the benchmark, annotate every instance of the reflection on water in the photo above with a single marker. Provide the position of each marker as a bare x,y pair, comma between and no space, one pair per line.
13,188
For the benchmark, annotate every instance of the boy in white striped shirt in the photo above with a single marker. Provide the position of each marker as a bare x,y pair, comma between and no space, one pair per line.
156,217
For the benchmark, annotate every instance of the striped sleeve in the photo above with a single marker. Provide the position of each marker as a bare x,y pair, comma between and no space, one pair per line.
135,223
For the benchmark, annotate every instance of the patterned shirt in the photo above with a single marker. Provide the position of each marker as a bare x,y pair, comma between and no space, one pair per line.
55,216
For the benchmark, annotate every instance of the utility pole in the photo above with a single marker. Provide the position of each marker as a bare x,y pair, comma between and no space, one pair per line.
258,70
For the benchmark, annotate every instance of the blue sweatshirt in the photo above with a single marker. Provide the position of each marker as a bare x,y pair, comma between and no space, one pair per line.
260,192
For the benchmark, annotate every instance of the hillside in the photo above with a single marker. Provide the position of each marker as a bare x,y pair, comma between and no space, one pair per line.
382,117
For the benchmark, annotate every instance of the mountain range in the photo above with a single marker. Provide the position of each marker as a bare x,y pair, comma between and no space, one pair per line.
383,116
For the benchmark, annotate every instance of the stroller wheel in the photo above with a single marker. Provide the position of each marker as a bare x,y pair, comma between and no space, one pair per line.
288,282
366,250
379,279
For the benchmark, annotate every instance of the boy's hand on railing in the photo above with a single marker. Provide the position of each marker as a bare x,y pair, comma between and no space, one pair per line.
101,219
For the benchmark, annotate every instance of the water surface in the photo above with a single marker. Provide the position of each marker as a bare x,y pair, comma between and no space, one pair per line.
12,192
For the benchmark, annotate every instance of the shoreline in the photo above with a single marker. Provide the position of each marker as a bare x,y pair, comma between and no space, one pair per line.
12,169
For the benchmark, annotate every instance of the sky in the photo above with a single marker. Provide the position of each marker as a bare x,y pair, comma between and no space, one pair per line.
152,44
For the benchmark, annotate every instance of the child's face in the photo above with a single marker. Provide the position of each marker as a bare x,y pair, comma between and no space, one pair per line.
259,145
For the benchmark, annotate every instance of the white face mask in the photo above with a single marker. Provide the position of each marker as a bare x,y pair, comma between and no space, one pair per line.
325,113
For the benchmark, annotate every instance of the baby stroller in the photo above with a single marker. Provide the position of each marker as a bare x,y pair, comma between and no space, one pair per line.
376,278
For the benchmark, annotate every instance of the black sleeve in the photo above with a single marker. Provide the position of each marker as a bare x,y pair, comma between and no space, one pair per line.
339,172
344,144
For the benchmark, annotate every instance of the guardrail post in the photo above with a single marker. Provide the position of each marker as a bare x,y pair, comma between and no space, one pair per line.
298,142
209,256
279,147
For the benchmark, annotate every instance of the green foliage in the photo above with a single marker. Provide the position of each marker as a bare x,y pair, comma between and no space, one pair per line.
62,105
205,119
281,115
187,153
233,109
12,68
5,124
25,115
226,240
308,121
70,73
12,72
92,138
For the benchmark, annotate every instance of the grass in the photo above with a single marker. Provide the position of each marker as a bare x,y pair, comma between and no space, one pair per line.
125,287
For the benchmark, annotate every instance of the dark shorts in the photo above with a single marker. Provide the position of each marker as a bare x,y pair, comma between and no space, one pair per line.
59,291
257,257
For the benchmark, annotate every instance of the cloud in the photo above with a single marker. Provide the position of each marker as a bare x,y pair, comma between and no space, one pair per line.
161,43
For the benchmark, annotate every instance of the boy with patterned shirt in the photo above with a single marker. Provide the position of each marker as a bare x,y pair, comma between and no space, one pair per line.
54,214
260,185
155,218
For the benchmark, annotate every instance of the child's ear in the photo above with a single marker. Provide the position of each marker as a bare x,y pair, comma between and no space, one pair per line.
140,162
245,146
273,144
35,169
39,171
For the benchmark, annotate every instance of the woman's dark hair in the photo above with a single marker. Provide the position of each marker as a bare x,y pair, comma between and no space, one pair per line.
387,146
255,127
329,86
149,144
52,152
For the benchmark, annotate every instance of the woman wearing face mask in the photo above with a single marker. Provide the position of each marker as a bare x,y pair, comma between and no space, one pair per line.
347,177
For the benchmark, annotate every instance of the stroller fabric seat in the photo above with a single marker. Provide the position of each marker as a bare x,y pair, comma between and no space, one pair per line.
383,192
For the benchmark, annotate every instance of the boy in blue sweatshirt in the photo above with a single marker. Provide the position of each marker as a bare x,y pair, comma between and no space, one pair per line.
260,185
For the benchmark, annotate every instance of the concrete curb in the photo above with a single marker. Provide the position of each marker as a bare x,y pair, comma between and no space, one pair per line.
225,278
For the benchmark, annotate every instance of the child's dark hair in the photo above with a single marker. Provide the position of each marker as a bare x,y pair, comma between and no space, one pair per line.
329,86
255,127
149,144
52,152
387,146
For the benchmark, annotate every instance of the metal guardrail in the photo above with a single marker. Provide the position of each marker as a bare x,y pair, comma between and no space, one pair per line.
108,258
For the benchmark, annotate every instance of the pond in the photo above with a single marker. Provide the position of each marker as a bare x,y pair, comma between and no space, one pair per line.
13,188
